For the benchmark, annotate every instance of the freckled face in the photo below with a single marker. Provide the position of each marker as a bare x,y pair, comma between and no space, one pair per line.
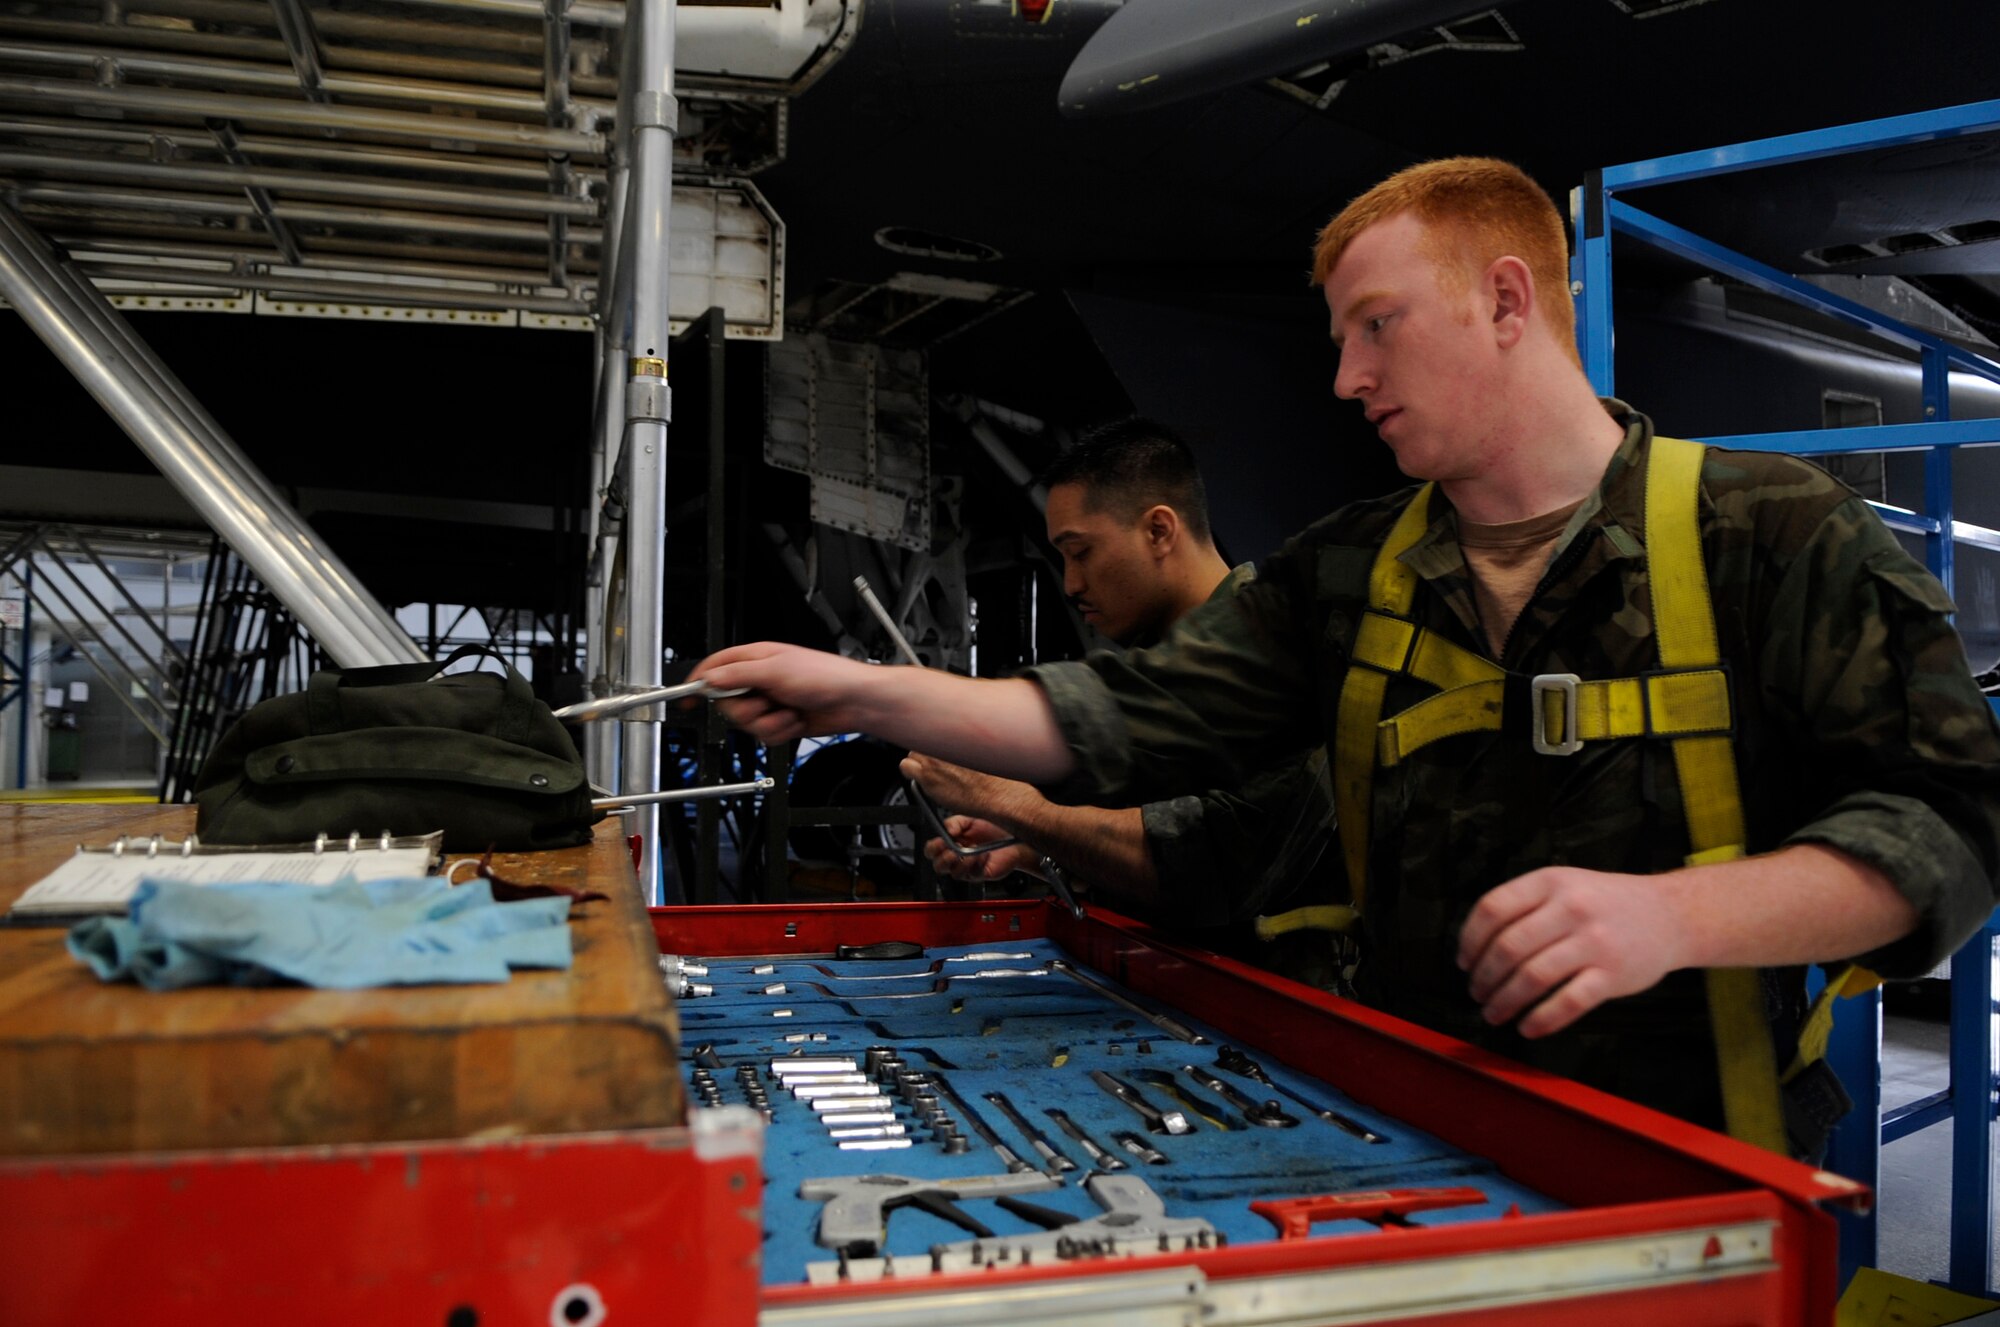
1413,352
1109,569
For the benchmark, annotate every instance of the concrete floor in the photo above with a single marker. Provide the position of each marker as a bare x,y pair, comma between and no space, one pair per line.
1914,1211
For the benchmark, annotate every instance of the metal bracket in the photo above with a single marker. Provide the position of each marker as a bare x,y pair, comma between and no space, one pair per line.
657,110
649,399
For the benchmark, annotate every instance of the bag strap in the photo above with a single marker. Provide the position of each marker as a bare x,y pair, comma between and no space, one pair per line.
517,706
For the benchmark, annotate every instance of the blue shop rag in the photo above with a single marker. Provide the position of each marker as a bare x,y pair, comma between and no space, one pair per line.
344,936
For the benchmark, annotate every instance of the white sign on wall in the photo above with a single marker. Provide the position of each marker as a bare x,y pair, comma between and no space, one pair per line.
13,613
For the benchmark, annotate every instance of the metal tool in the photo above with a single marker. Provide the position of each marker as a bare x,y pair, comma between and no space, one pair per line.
603,707
1134,1222
1139,1147
939,985
922,801
1099,1157
1212,1111
1008,1156
814,1091
1053,1161
783,1066
673,966
704,793
1157,1120
1294,1217
1267,1114
855,1218
936,966
1166,1023
1236,1062
824,1106
888,1130
1059,882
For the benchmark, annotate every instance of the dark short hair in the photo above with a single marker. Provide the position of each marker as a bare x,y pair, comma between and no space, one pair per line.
1131,465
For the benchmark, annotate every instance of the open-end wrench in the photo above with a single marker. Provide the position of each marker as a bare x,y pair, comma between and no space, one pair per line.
1212,1111
1172,1026
1054,1162
1157,1120
1008,1156
1236,1062
1269,1114
1104,1160
1139,1147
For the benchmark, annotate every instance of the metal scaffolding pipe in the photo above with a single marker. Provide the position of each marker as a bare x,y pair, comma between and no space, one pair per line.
338,23
111,683
269,50
120,372
649,116
172,651
328,214
237,74
301,183
586,13
84,249
501,267
535,139
103,611
295,25
607,435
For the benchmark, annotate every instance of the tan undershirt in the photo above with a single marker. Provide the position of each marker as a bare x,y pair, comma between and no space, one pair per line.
1507,562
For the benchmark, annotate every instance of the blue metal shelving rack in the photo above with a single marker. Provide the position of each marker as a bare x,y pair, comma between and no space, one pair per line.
1601,210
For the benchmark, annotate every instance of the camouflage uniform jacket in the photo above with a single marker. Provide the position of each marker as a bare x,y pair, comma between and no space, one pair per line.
1229,853
1858,727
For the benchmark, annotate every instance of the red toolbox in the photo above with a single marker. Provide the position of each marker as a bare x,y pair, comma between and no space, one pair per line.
1648,1220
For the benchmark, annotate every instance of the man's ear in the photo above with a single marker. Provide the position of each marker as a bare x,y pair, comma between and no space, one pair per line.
1162,526
1510,287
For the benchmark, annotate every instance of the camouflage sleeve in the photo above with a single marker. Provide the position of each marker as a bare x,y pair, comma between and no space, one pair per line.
1229,689
1222,855
1862,661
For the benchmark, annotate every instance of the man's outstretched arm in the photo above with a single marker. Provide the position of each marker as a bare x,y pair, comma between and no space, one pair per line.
1003,726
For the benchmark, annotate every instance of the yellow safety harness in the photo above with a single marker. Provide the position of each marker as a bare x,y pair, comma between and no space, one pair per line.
1686,701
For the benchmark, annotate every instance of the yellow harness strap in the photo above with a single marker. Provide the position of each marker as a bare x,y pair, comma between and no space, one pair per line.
1392,589
1684,627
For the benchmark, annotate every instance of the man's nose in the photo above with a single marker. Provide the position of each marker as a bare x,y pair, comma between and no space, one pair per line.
1072,582
1352,378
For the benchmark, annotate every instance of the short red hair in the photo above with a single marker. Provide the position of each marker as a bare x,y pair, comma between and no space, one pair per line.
1474,210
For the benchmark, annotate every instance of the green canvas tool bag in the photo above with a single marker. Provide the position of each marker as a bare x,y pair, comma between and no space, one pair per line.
403,748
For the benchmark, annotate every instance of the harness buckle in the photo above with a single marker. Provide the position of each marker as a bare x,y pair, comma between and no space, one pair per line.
1539,687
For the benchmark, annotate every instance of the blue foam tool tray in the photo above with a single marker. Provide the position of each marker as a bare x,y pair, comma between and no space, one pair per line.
987,1019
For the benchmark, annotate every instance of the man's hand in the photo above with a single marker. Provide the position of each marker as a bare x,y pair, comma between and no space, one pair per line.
794,692
1569,939
1005,802
994,809
972,832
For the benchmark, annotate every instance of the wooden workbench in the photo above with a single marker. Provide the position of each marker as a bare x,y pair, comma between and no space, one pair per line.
91,1067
